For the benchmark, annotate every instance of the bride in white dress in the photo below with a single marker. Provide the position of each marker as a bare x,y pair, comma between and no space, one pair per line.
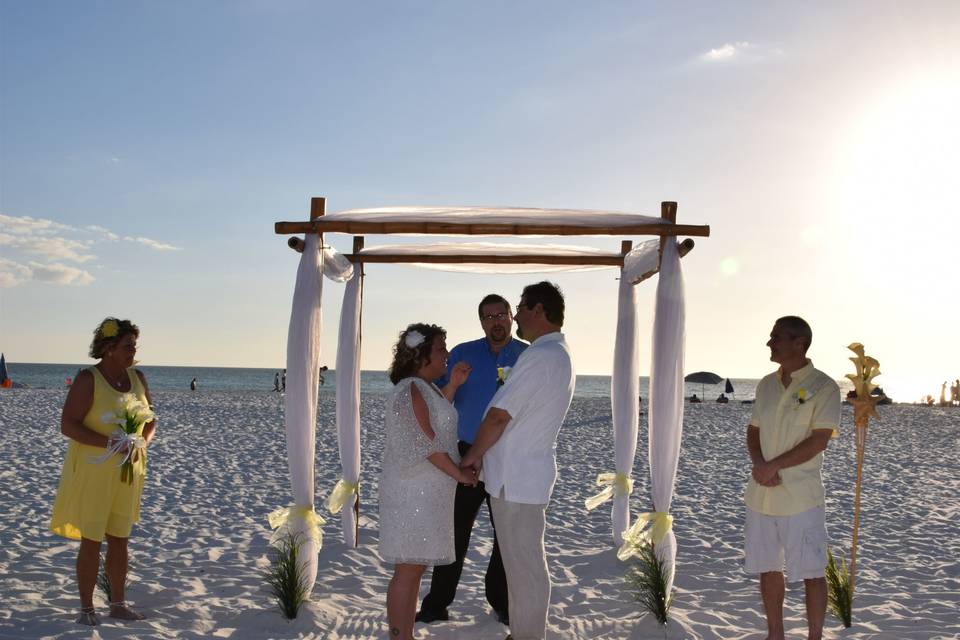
420,471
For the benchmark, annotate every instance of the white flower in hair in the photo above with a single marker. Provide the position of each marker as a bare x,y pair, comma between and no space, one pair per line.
414,339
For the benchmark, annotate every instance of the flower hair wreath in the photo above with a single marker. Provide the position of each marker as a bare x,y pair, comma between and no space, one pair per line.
109,328
413,339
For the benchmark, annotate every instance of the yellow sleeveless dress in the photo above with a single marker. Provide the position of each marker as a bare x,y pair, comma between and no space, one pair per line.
91,499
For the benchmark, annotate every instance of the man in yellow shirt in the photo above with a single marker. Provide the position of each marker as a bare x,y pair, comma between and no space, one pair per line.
795,414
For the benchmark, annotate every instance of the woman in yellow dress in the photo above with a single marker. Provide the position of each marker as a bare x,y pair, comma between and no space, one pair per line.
96,498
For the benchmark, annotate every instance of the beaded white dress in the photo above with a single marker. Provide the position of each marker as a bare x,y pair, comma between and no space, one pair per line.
416,498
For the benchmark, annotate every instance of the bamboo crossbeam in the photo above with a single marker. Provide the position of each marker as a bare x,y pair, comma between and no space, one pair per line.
390,258
326,225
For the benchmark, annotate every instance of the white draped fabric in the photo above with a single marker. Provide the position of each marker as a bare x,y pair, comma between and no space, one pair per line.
666,393
497,249
300,409
348,398
624,392
643,259
666,379
496,215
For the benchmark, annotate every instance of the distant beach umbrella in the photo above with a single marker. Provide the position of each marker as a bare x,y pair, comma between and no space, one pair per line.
3,371
702,378
729,388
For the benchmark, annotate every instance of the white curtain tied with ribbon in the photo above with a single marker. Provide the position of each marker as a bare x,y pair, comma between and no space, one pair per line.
344,495
666,402
624,395
300,402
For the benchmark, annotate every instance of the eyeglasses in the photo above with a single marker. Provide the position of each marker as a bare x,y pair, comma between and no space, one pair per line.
490,317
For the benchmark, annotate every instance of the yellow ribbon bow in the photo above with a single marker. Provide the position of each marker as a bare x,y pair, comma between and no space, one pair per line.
341,493
281,520
640,534
614,484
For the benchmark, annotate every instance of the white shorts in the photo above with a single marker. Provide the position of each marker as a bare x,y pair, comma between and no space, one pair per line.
801,539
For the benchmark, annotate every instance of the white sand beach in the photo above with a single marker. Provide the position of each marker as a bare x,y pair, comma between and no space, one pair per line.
218,467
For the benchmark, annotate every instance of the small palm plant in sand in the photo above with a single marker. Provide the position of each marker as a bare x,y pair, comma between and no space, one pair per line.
841,583
649,578
103,580
286,576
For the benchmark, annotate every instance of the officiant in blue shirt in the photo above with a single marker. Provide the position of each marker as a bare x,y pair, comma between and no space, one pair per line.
490,359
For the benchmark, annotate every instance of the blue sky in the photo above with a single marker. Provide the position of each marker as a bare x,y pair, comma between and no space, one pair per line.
147,148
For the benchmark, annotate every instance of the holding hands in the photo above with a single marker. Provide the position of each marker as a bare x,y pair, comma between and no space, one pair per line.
468,476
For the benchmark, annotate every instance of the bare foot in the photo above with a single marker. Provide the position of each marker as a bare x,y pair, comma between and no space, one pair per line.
121,611
89,617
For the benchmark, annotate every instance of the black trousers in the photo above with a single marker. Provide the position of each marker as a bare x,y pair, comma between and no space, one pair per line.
443,583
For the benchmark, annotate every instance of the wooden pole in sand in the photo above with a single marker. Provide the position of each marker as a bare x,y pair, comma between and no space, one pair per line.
861,442
357,246
668,211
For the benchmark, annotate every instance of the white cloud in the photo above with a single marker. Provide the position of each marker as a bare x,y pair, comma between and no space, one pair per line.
13,274
721,53
740,50
25,225
109,235
51,244
153,244
50,247
54,273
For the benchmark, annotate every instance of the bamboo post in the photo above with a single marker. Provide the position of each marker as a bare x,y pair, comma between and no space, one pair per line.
861,442
668,211
357,246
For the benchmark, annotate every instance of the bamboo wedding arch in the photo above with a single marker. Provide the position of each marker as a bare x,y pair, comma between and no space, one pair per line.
658,256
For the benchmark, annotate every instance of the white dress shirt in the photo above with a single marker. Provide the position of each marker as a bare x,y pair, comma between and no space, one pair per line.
537,394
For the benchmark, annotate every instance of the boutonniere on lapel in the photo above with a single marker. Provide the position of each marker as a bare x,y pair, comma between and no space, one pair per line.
802,396
502,374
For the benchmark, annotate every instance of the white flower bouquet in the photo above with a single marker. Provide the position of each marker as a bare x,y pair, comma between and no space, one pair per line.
130,416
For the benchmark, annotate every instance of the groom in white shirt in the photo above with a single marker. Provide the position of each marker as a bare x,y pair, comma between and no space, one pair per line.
516,444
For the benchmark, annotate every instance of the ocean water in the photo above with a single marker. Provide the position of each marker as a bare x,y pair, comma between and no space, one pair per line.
55,376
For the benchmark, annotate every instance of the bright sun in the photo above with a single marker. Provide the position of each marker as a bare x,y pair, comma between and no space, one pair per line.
899,174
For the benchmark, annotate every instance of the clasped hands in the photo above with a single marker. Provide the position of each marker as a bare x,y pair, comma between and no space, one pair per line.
766,474
470,469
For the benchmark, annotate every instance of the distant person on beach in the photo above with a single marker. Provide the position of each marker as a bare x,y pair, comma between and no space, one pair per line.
723,399
193,385
516,446
420,472
695,398
490,360
276,381
955,395
283,381
322,369
796,412
98,496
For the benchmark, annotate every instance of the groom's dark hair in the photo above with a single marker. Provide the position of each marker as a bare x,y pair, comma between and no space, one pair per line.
546,294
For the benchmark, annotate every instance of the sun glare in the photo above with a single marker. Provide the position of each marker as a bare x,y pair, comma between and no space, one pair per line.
899,193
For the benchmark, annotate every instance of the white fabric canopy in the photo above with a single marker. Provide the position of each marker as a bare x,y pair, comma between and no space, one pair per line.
348,398
666,380
493,248
666,394
496,215
643,259
624,395
300,410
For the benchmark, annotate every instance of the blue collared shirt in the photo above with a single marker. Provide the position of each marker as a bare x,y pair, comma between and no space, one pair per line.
474,395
